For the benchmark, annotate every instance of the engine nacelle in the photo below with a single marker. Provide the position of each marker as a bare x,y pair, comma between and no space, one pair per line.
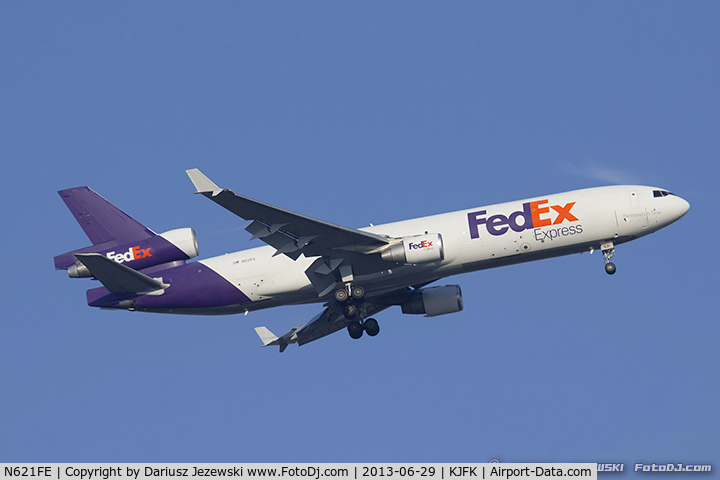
185,240
175,245
416,249
435,301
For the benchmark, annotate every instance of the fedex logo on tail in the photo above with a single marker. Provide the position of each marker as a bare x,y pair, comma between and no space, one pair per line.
133,253
533,215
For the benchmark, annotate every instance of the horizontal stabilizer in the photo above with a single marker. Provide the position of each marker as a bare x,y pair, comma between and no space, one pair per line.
118,278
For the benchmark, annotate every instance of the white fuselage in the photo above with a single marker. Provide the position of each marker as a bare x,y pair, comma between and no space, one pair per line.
472,239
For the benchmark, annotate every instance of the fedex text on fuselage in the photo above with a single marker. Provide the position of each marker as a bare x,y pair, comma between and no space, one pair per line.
533,215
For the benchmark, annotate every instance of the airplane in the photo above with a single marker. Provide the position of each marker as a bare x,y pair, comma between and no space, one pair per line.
354,273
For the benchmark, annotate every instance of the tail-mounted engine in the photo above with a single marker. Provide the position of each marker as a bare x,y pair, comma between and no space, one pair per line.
434,301
176,245
416,249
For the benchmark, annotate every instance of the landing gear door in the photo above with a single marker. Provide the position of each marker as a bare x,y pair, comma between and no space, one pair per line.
634,202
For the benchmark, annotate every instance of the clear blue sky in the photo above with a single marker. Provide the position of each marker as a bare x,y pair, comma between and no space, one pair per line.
358,113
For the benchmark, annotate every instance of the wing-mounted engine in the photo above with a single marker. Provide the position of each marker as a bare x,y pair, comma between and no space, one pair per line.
434,301
172,246
416,249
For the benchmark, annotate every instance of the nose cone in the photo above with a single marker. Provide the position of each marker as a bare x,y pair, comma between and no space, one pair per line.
682,206
675,208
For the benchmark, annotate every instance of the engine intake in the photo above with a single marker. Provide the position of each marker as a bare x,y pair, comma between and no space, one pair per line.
434,301
416,249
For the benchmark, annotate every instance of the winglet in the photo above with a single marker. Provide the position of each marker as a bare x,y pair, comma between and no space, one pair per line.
202,183
265,335
268,338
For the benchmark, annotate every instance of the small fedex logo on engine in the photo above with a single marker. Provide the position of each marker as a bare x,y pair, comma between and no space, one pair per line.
423,244
133,253
533,215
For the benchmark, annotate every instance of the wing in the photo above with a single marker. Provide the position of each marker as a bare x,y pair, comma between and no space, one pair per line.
288,232
329,321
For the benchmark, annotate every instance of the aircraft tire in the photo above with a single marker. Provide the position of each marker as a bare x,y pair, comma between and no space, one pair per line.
350,311
372,327
355,329
610,268
357,292
341,295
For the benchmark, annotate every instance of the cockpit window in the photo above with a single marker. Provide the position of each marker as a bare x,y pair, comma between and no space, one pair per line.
661,193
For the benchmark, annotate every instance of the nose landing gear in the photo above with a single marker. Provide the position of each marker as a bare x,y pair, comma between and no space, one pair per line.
608,250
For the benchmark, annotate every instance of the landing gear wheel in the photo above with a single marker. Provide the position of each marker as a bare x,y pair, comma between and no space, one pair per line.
355,329
371,327
341,295
608,250
357,292
350,311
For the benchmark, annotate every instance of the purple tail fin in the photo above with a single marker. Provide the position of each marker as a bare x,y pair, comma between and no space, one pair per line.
102,221
105,225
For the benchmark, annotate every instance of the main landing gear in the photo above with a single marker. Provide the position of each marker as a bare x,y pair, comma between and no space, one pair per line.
369,326
356,292
351,297
608,250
